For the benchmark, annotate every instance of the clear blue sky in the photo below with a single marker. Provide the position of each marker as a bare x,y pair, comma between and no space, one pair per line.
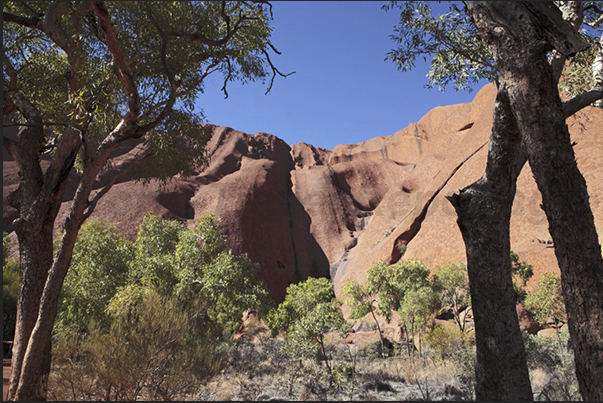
343,91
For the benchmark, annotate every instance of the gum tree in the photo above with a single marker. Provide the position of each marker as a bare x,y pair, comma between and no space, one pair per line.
524,47
385,291
82,78
547,303
452,287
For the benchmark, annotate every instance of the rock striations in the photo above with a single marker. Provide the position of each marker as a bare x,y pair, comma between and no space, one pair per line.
302,211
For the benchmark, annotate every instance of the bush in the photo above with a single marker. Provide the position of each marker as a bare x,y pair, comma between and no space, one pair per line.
552,370
155,358
10,290
147,317
448,343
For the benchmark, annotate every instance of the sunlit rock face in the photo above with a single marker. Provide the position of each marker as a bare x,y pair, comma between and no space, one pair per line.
302,211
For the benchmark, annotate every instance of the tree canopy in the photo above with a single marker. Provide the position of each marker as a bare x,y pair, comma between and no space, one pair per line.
443,34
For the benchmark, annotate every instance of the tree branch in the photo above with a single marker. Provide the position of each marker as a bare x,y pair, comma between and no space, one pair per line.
121,63
581,101
275,71
30,22
123,170
12,73
230,32
10,145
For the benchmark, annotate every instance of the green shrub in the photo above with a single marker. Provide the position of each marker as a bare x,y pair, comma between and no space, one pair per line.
448,343
553,371
146,317
159,356
10,290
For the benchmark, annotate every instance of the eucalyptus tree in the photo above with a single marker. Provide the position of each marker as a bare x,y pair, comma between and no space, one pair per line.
547,303
525,47
385,292
452,286
82,78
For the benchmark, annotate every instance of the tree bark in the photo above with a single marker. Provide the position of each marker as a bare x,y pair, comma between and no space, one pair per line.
520,34
484,212
571,223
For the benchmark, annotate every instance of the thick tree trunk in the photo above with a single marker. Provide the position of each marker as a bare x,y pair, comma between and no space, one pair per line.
38,200
571,223
520,35
35,359
34,370
35,259
484,211
35,232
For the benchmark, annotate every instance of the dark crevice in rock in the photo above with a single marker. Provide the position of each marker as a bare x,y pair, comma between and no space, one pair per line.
404,239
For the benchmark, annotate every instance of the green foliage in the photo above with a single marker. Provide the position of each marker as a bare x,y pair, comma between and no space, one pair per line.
228,287
309,310
448,343
457,56
10,290
542,351
577,76
547,302
417,306
170,48
160,354
152,310
522,272
359,299
307,337
392,282
154,246
452,286
300,300
404,288
450,41
99,265
555,367
110,276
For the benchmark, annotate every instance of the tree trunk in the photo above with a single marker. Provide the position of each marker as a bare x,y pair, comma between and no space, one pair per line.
520,34
38,199
35,259
484,212
571,223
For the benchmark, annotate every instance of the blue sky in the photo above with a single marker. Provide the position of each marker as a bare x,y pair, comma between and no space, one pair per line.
342,91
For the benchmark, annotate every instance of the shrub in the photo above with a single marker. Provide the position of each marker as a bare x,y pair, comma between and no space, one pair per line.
156,358
148,316
10,290
449,343
552,370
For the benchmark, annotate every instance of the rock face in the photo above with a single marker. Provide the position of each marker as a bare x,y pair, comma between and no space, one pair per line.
302,211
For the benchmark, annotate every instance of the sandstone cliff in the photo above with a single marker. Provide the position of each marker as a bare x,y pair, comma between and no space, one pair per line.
303,211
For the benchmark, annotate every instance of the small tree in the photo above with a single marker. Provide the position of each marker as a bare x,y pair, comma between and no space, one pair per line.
547,302
363,300
522,272
385,290
452,286
309,310
415,311
100,265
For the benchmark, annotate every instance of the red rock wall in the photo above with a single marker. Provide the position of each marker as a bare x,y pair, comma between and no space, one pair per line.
303,211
